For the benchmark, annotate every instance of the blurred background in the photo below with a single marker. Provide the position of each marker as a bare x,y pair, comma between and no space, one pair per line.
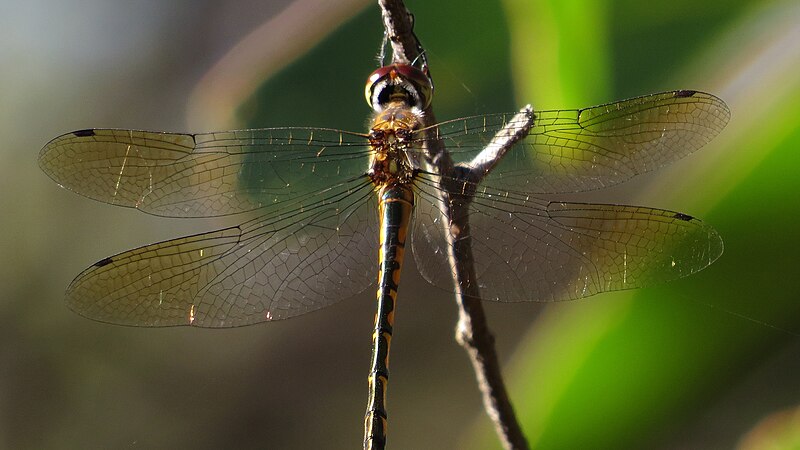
711,361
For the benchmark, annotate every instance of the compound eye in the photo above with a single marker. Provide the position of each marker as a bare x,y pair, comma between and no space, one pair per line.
398,81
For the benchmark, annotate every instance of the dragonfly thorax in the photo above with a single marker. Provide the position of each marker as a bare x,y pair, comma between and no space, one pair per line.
390,138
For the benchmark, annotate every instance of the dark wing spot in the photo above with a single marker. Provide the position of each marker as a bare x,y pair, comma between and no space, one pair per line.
103,262
83,133
682,216
684,93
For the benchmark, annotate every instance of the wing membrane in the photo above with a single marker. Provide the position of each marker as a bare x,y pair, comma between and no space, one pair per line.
314,244
529,249
202,175
269,268
591,148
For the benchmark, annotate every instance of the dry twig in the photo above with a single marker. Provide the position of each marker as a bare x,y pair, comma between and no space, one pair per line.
472,331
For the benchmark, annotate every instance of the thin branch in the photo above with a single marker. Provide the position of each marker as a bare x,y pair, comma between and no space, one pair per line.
472,331
517,128
398,24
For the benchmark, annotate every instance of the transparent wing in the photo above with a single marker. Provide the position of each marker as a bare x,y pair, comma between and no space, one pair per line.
202,175
590,148
529,249
297,259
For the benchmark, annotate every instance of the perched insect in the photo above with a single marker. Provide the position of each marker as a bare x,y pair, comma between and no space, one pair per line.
322,202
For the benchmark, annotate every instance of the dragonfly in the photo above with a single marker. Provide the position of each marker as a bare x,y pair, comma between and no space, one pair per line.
318,204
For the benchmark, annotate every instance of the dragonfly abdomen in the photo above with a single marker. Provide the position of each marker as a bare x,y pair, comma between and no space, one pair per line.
395,205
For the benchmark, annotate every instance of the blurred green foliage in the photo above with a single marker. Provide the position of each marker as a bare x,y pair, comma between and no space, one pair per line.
634,369
692,364
325,87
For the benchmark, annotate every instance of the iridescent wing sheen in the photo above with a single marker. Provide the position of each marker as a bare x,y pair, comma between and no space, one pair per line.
202,175
313,243
591,148
314,240
290,261
529,248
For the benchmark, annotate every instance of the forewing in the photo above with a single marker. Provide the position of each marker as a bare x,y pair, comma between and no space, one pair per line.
591,148
202,175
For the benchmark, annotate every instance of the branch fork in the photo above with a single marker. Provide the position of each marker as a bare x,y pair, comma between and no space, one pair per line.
472,331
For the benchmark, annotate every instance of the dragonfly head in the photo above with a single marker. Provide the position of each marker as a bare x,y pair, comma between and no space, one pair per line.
398,82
